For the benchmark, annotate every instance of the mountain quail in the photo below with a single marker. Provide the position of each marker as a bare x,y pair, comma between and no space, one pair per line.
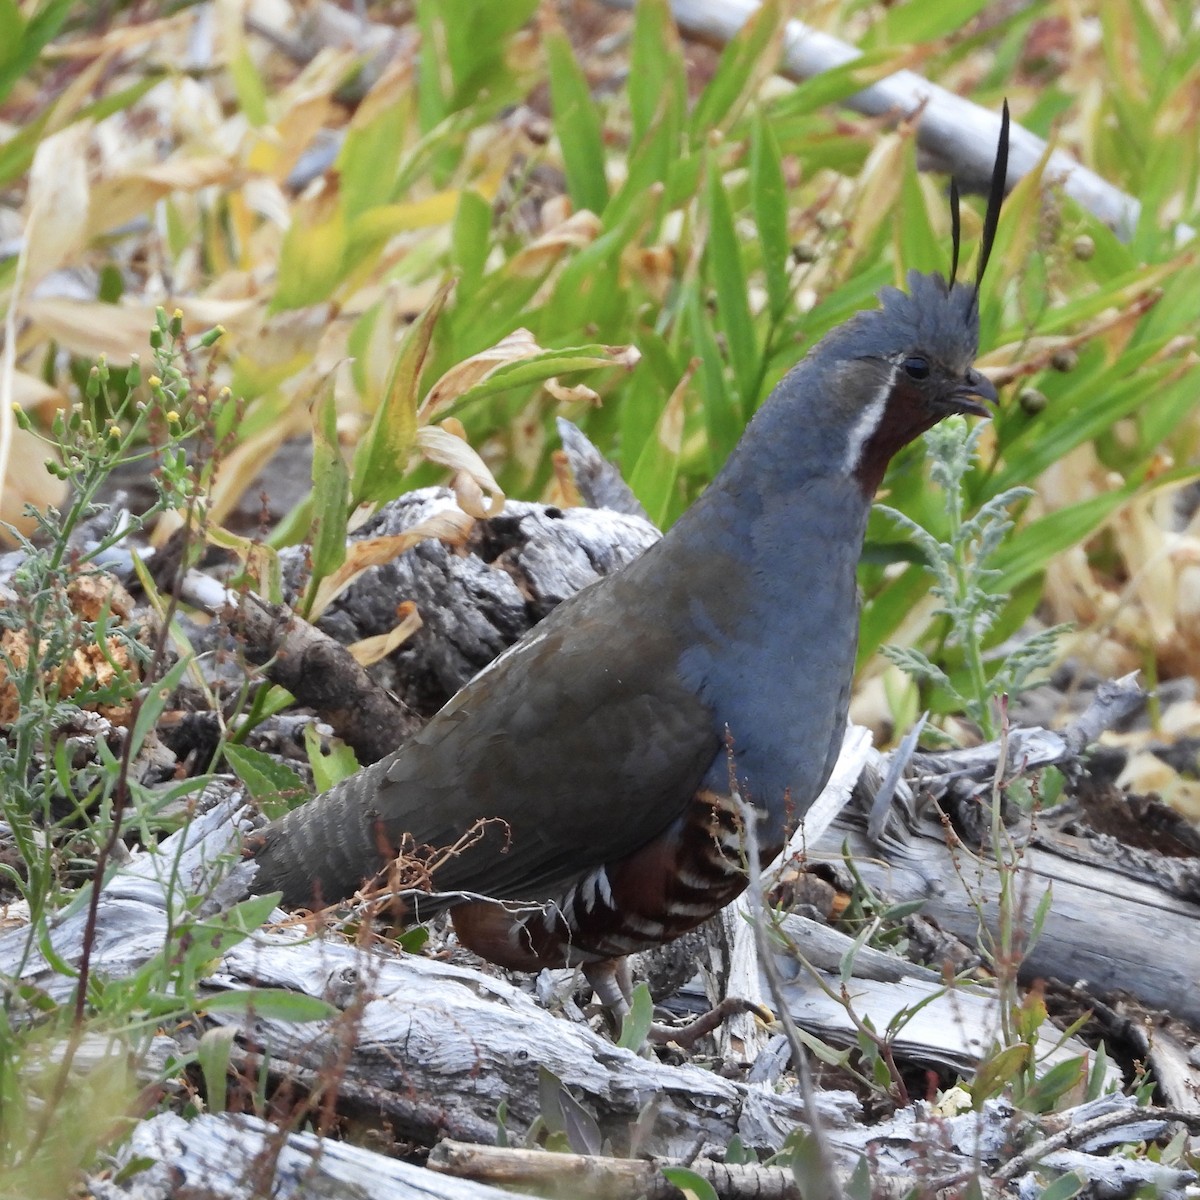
603,750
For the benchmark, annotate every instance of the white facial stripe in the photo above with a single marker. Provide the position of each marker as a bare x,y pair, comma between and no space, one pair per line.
867,423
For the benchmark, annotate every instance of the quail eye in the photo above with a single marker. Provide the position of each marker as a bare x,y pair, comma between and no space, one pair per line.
916,367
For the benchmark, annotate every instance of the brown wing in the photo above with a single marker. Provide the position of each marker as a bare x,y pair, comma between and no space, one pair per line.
584,744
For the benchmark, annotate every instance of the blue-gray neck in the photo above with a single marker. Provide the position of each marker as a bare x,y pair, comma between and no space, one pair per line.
768,615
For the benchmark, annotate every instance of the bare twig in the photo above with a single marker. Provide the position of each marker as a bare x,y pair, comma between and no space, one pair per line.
1078,1133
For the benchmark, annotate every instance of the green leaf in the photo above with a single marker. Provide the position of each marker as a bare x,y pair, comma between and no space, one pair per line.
328,769
1054,1085
471,43
918,245
470,241
749,57
381,458
656,471
651,161
197,944
312,259
1039,918
414,940
1064,1187
809,1168
582,1130
1022,557
693,1186
434,83
858,1186
769,193
721,417
550,364
885,611
635,1026
577,125
369,159
727,276
916,24
737,1153
657,83
836,84
1098,1077
996,1072
248,84
330,495
212,1056
1046,442
23,39
272,1004
550,1091
589,292
642,400
274,785
154,703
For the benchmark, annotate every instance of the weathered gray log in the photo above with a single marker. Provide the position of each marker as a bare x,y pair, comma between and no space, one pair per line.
474,600
465,1042
1115,932
225,1156
960,135
237,1157
459,1041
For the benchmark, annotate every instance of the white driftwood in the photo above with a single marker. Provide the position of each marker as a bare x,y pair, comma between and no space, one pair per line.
1109,932
1119,921
465,1042
437,1047
947,1027
961,135
238,1157
241,1157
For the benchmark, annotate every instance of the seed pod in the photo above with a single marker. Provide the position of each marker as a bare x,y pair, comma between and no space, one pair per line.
1031,400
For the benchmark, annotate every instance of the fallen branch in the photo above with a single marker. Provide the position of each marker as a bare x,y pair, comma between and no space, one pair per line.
613,1178
323,675
958,134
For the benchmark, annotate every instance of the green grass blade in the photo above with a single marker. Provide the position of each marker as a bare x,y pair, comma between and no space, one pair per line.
749,57
331,492
577,125
769,196
727,276
381,458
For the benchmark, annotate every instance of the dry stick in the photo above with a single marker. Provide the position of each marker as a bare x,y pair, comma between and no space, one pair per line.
323,675
958,133
611,1177
1074,1134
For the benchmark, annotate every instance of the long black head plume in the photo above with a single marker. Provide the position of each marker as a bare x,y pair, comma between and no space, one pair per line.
955,229
995,199
892,372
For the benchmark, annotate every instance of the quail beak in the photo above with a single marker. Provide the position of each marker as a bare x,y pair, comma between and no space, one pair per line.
974,388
